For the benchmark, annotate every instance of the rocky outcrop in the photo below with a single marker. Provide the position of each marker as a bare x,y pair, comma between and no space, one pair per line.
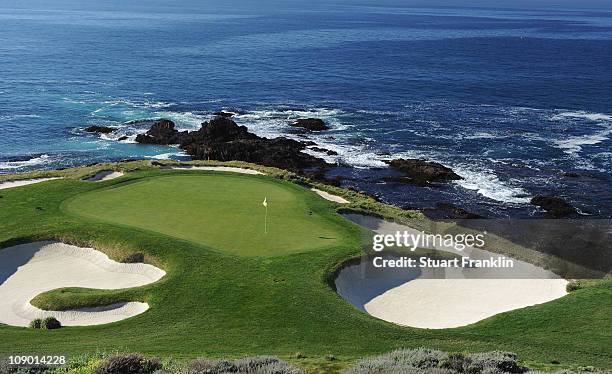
100,129
222,113
162,132
422,172
324,150
312,124
555,206
218,130
223,140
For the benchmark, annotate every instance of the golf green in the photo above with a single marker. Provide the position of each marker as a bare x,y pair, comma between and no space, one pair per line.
222,211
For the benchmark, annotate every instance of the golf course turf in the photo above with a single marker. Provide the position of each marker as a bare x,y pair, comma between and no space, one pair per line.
221,211
233,290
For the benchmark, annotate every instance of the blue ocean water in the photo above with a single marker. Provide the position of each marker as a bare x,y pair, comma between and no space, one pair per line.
511,99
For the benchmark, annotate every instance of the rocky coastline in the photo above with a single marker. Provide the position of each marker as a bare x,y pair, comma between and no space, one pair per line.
222,139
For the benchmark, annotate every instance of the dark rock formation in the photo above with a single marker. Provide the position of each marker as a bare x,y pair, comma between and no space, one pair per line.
218,130
423,172
223,140
312,124
320,175
556,206
323,150
122,138
222,113
162,132
100,129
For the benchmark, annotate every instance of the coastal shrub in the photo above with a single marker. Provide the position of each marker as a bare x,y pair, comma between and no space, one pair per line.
36,324
428,361
50,323
247,365
81,364
207,366
573,285
395,369
455,362
419,360
129,364
264,365
489,362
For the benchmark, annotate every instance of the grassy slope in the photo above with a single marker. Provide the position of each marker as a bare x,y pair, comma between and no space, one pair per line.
217,303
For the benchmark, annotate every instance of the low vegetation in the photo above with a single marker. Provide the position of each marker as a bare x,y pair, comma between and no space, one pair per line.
400,361
49,323
431,361
129,364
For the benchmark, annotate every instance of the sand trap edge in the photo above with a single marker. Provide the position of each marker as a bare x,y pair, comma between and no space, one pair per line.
24,182
330,197
104,175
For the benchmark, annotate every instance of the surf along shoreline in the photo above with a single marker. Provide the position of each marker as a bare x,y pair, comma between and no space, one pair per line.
358,203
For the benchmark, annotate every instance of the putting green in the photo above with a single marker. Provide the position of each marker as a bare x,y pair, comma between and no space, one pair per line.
221,211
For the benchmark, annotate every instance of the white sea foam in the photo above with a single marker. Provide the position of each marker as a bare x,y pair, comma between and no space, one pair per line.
348,155
574,144
184,120
277,122
487,184
116,135
12,117
583,115
167,156
40,160
481,135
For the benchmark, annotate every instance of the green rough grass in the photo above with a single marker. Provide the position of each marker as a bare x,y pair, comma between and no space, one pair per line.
218,302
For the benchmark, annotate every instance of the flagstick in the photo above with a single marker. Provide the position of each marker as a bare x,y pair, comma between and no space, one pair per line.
266,221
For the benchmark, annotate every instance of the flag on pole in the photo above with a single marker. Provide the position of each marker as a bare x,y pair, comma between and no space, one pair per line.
265,203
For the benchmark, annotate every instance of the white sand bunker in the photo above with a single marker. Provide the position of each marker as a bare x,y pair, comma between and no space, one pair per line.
442,298
104,175
215,168
23,182
30,269
330,197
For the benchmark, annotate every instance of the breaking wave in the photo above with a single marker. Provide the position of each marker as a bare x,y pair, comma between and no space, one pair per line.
20,163
488,184
581,115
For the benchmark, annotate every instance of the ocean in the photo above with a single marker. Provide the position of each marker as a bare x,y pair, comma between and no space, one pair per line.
517,101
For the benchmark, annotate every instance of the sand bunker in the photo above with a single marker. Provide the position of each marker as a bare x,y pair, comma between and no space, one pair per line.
330,197
30,269
105,175
442,298
23,182
215,168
